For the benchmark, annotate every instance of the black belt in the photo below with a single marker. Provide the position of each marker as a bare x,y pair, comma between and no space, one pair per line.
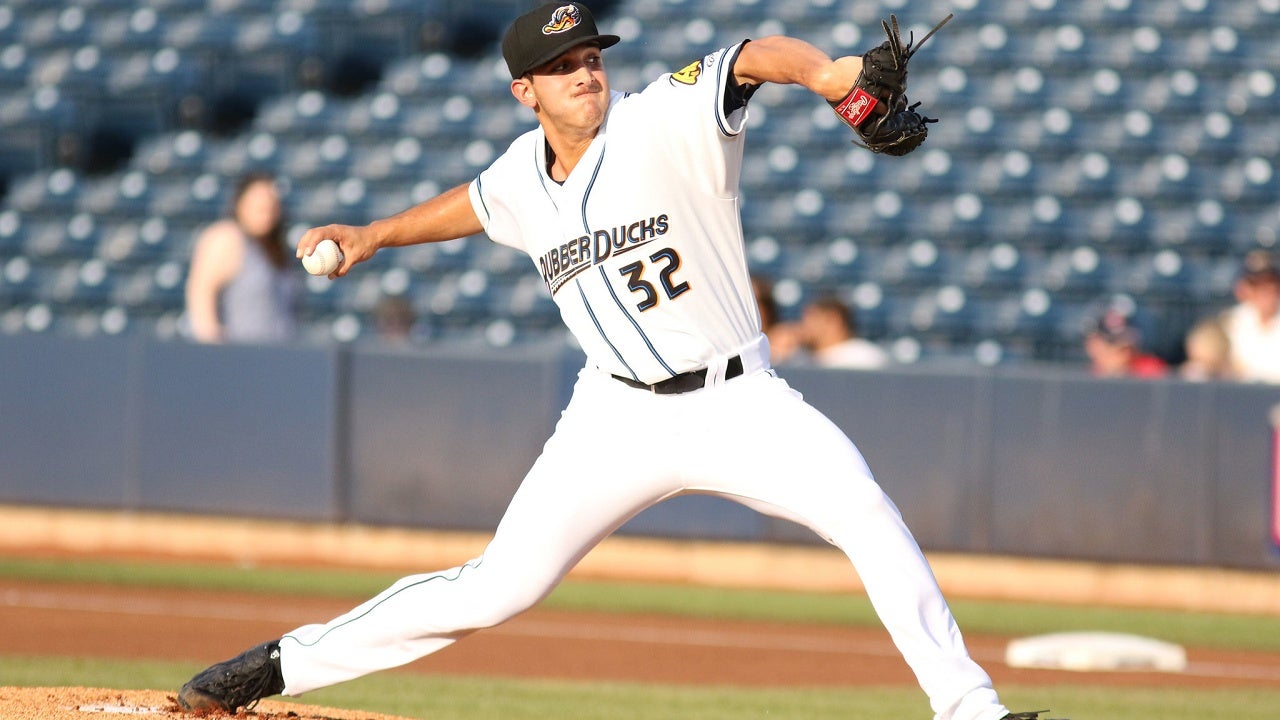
686,381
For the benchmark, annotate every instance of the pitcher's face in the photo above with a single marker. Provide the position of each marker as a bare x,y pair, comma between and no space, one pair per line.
570,92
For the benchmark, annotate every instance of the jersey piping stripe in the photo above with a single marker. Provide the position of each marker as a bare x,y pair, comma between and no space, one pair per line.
596,321
578,283
727,63
623,309
586,226
438,576
542,178
480,194
586,194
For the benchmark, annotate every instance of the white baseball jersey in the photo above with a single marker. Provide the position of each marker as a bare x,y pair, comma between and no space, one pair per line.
652,284
642,250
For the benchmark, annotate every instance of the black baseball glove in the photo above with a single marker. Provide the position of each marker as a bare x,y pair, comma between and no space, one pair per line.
876,107
897,132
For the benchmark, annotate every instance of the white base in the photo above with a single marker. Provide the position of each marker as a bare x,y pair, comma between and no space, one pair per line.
1094,651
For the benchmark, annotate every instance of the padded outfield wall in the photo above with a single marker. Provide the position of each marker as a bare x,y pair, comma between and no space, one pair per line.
1022,461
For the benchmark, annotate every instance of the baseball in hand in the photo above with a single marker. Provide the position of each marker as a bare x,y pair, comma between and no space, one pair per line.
324,259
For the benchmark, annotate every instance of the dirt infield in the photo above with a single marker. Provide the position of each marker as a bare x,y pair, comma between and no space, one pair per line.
77,703
200,627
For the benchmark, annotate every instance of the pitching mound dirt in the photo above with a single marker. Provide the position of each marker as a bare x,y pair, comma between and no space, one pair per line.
77,703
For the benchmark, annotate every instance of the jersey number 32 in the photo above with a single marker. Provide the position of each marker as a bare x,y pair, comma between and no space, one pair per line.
670,262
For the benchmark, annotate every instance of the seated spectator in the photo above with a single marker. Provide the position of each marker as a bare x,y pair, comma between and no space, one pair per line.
395,320
829,330
784,339
242,285
1114,347
1208,352
1253,324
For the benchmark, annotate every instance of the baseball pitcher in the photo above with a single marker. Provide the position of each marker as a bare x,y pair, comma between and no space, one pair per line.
628,206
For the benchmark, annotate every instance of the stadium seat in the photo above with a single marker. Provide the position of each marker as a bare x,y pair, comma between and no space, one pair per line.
138,28
182,154
1070,130
257,151
125,195
15,66
997,269
300,115
321,158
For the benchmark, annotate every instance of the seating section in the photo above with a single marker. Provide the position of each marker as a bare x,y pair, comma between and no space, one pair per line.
1090,153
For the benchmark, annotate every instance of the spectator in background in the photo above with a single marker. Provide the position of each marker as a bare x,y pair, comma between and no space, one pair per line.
1114,347
1253,324
395,320
242,285
829,330
784,337
1208,352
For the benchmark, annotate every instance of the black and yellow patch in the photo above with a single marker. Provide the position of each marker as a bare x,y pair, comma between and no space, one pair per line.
689,74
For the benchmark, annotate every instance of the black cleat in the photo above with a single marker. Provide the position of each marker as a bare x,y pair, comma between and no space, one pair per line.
1033,715
239,682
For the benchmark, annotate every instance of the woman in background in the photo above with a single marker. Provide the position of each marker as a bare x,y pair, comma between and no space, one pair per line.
241,286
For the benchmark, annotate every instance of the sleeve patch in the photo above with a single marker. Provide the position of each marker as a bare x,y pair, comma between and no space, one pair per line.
689,74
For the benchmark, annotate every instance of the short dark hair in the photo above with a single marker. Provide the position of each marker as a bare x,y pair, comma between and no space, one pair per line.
832,304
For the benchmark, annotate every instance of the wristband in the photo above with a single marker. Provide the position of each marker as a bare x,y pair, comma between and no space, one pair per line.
856,106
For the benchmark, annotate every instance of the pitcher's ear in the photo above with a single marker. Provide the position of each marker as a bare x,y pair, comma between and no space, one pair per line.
522,91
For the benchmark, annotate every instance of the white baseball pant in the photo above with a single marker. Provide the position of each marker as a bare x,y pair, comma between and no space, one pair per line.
618,450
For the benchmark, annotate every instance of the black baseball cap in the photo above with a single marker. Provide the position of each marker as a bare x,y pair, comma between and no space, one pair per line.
541,35
1115,327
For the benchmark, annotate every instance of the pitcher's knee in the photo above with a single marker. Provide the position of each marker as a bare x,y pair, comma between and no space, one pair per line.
497,595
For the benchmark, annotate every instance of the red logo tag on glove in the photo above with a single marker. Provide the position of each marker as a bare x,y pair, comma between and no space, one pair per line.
857,106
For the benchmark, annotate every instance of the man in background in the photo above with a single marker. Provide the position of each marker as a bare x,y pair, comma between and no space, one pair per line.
1253,324
829,329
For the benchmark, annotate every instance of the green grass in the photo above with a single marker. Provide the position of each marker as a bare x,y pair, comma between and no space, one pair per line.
1004,618
444,698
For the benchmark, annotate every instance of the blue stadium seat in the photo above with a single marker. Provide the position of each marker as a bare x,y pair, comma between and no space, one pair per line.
840,261
13,232
320,158
202,199
999,268
11,22
140,28
379,114
124,195
256,151
270,50
15,66
17,281
201,32
300,115
31,127
48,192
1076,272
1035,167
125,242
1162,275
174,155
915,264
65,27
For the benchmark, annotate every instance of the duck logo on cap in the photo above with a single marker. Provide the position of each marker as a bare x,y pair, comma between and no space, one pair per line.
565,18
